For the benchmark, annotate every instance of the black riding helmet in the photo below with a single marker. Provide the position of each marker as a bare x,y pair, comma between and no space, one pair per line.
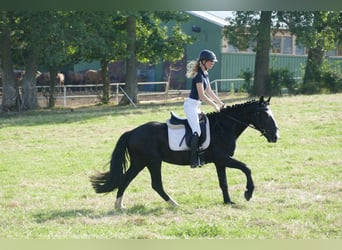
207,55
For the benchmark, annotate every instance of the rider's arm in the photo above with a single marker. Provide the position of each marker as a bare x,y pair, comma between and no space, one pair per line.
213,96
203,97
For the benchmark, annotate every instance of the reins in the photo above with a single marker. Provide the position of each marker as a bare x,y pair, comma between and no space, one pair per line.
262,131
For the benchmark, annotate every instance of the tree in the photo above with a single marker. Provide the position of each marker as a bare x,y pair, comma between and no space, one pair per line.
317,30
71,36
52,45
247,27
131,60
63,32
31,32
262,59
133,37
104,40
150,41
10,98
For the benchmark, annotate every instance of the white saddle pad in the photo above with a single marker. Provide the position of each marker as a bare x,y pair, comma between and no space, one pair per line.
176,137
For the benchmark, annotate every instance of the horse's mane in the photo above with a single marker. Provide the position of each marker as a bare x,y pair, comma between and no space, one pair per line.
240,105
236,107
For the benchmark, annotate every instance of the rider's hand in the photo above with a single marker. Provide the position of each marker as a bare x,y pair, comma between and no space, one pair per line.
217,108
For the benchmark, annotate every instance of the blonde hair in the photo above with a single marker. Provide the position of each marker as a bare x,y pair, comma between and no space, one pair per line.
192,68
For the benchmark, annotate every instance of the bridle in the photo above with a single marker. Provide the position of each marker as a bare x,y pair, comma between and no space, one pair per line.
261,130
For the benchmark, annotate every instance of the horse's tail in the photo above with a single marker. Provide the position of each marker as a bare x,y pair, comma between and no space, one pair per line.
108,181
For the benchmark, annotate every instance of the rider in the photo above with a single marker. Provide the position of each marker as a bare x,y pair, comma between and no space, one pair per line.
200,91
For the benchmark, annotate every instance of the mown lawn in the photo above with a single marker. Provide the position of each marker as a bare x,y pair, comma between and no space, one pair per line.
46,158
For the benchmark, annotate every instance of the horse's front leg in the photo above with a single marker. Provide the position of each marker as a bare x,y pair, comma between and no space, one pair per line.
232,163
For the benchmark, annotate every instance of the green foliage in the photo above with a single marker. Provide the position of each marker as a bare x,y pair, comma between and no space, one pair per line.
102,35
155,42
317,30
247,75
67,37
331,79
242,29
281,79
313,29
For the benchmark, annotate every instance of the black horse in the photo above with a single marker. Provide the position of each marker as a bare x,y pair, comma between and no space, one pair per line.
147,146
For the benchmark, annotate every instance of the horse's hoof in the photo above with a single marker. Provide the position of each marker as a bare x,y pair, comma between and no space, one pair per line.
248,195
118,204
172,202
119,208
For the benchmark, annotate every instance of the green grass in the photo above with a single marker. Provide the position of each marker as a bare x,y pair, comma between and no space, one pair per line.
46,158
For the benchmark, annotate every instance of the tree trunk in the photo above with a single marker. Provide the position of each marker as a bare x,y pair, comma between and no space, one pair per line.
261,70
312,70
131,86
105,82
30,101
10,97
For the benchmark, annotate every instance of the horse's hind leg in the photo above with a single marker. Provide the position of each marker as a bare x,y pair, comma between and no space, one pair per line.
222,177
131,173
156,178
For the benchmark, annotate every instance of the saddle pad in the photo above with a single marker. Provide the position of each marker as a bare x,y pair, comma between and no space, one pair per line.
176,137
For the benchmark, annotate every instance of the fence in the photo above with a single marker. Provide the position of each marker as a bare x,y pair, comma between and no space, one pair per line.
237,85
228,85
160,89
94,91
65,92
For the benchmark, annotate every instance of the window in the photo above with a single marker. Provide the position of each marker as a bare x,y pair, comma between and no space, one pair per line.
300,50
332,52
276,44
337,51
287,45
282,44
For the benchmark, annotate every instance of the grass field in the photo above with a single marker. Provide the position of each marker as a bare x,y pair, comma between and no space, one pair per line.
46,158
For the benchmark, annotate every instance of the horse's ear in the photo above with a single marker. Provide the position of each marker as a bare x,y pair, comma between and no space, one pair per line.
268,100
261,100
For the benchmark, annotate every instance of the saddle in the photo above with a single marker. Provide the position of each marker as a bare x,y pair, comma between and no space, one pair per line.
180,132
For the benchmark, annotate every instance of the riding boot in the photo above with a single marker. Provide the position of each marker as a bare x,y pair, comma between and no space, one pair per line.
194,151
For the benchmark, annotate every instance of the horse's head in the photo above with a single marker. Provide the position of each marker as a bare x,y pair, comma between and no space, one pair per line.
265,122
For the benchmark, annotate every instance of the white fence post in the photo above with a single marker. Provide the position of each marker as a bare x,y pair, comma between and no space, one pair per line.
64,95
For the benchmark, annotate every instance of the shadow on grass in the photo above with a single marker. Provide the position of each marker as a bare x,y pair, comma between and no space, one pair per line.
54,215
81,114
141,210
69,115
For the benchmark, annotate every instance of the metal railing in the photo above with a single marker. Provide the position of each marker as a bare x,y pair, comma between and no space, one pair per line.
94,90
65,92
228,85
